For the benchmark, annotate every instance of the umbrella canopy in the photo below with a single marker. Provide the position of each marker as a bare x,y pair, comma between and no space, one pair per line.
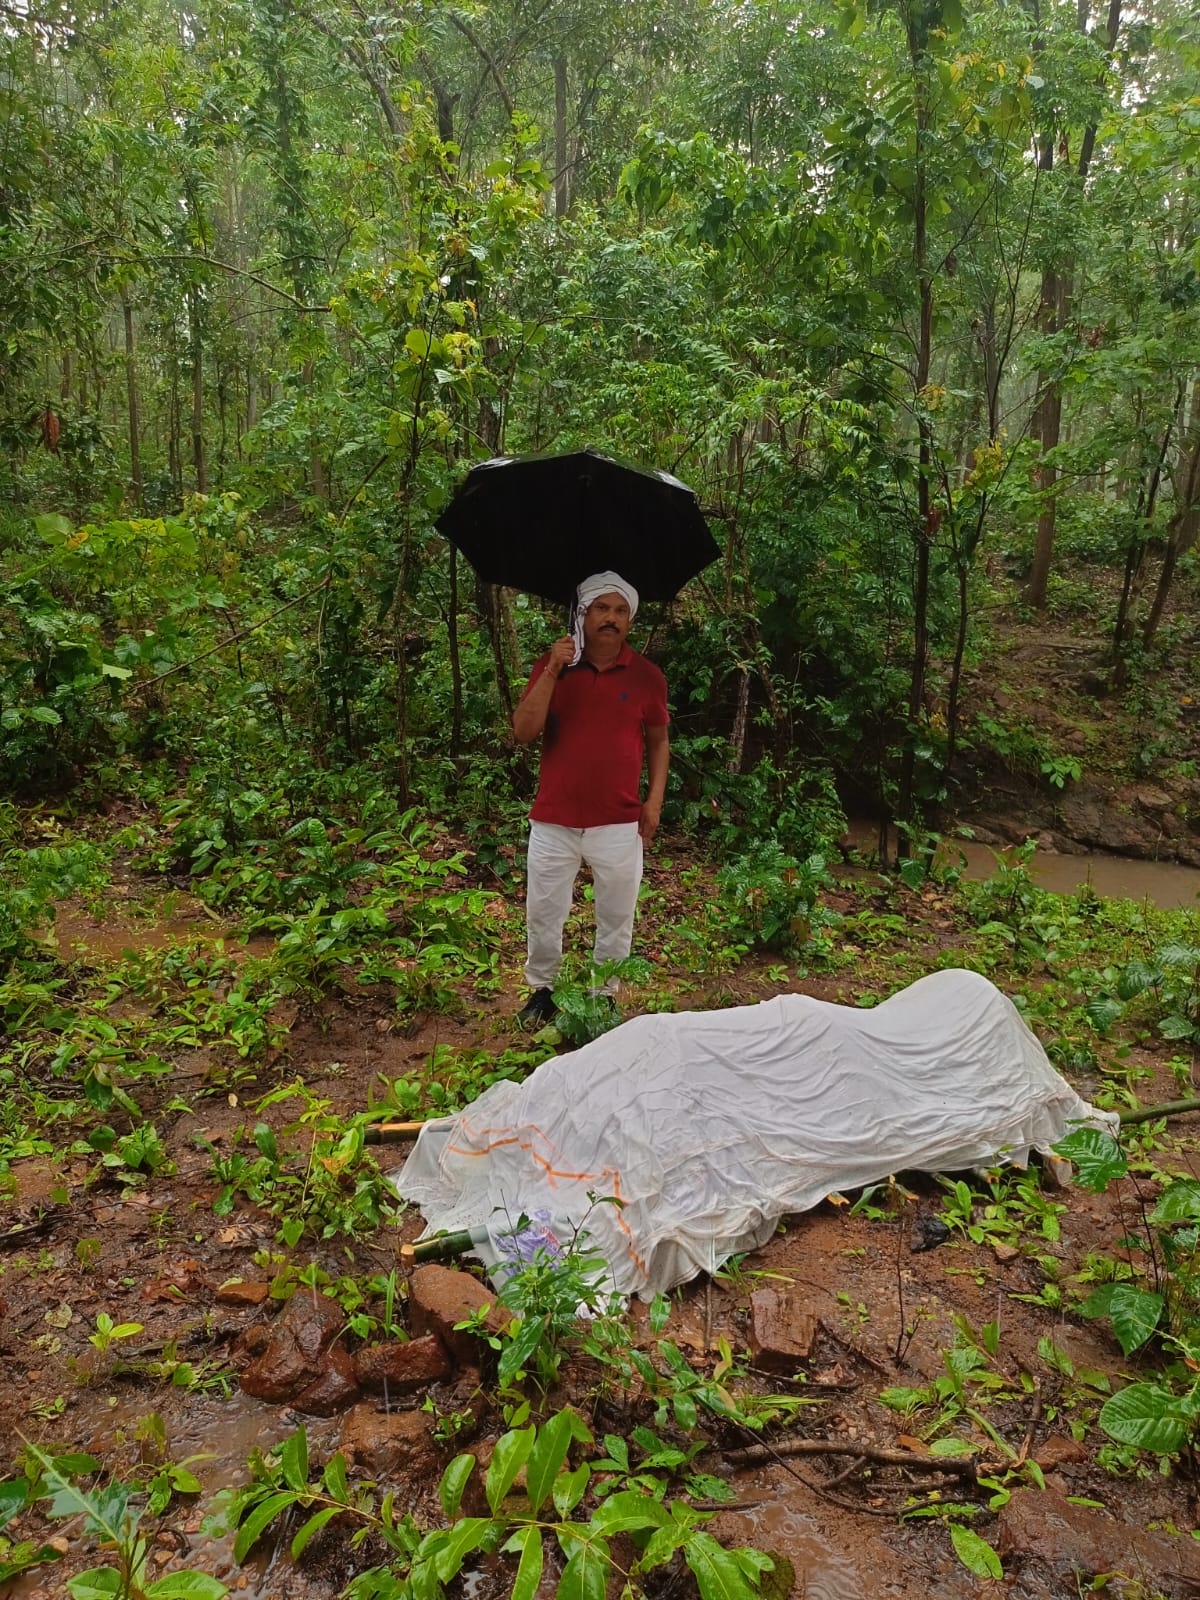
544,523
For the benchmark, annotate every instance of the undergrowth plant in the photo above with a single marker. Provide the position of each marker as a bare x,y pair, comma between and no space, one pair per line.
1160,1414
576,1510
72,1487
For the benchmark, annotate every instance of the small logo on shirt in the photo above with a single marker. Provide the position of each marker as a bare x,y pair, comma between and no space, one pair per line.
624,694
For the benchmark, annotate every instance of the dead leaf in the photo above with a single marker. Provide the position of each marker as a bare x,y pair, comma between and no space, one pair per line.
61,1317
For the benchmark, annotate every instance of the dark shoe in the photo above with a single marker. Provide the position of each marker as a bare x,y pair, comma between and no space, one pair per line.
537,1011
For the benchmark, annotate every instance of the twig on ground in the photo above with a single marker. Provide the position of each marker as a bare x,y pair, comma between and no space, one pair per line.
753,1455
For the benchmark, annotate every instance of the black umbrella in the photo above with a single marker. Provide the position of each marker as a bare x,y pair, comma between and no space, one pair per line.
544,523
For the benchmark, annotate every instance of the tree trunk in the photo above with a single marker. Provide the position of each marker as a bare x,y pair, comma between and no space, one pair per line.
199,465
927,521
562,179
456,687
1052,317
1185,521
131,399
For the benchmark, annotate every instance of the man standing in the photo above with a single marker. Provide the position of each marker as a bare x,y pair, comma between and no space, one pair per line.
601,710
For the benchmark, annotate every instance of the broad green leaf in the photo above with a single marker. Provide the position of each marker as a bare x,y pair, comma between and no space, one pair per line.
334,1478
509,1456
454,1483
1097,1156
952,1447
1179,1202
186,1586
628,1511
465,1537
98,1583
311,1528
527,1542
585,1576
1146,1416
1134,1312
417,342
719,1574
109,669
1177,1026
976,1554
1136,978
1103,1012
14,1494
293,1458
662,1545
263,1513
569,1489
547,1457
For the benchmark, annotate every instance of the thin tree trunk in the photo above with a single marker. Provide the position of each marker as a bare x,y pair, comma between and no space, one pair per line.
131,399
737,737
456,687
199,465
1053,317
927,520
1181,534
562,180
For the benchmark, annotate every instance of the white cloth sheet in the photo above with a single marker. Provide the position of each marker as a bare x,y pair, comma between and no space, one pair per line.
709,1126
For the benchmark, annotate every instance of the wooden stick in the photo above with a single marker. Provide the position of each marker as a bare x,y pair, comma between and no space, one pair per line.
1170,1108
753,1455
391,1132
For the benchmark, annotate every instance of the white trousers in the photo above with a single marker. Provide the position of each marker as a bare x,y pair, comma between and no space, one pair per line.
614,854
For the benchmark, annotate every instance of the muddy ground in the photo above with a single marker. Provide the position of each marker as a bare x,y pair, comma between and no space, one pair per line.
883,1309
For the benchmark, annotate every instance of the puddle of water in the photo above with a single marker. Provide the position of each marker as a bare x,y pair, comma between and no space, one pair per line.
224,1432
822,1573
73,930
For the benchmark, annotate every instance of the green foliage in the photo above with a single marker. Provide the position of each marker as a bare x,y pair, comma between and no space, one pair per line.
113,1519
584,1009
331,1187
558,1501
772,900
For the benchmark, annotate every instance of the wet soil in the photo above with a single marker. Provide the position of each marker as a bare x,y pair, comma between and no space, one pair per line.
75,1242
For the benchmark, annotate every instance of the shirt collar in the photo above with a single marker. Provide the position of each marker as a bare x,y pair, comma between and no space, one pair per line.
624,656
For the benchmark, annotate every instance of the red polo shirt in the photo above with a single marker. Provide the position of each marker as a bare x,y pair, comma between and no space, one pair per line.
592,747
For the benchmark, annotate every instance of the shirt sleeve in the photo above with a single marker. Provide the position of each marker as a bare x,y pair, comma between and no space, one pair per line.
655,713
539,666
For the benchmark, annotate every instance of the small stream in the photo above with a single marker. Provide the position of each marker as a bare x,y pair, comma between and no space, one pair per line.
1165,884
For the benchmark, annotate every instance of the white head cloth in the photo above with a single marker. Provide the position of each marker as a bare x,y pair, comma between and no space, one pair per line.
591,589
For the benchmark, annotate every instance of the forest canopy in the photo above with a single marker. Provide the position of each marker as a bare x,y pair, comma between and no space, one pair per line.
907,293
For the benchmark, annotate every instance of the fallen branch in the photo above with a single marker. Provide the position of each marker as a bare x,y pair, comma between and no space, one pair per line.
756,1454
1169,1108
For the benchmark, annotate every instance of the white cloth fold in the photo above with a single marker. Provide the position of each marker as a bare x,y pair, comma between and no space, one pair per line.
709,1126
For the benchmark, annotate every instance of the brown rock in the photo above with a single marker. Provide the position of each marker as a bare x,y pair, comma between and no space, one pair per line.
376,1443
1004,1252
293,1358
440,1297
252,1341
1076,1540
1057,1452
401,1368
243,1292
782,1330
335,1387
